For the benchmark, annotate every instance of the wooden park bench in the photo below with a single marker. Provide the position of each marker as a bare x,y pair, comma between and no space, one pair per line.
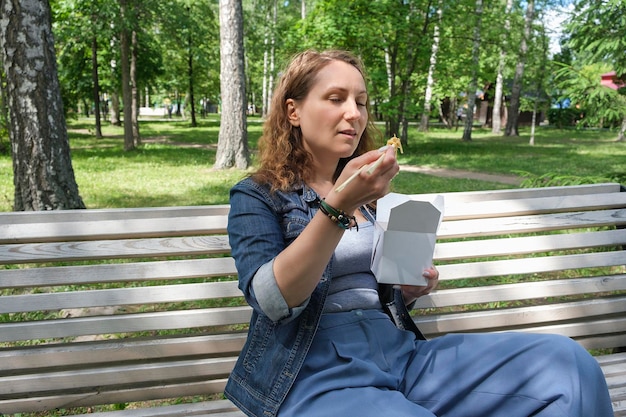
135,306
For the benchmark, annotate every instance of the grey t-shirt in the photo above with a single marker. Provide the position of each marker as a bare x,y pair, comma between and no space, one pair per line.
353,284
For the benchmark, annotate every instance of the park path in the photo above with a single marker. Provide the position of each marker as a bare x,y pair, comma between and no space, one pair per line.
458,173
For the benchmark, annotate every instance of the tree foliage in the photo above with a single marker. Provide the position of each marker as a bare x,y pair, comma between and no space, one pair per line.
175,45
597,35
597,105
598,28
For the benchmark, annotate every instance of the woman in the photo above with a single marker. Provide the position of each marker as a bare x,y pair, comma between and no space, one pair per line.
325,339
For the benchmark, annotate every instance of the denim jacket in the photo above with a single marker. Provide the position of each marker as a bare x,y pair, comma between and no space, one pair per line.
277,346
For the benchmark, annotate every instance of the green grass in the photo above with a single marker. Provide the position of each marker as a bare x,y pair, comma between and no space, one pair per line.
174,165
590,153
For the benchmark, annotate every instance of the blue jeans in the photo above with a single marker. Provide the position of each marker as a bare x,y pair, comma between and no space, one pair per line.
360,364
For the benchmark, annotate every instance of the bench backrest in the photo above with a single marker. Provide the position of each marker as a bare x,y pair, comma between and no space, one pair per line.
113,306
121,305
540,260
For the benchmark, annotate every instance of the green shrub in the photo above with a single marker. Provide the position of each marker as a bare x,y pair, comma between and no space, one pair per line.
565,117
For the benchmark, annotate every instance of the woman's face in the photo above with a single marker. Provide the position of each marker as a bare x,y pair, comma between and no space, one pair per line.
333,115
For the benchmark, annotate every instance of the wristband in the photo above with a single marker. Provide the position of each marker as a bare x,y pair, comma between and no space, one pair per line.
339,217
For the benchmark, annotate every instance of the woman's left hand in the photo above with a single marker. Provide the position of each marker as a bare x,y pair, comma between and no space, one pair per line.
412,292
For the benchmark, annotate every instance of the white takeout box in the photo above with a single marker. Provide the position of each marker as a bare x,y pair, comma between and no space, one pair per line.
404,238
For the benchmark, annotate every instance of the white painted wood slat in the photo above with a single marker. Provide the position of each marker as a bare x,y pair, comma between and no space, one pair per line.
192,409
105,378
113,249
448,251
524,193
525,207
521,291
585,328
92,354
124,323
525,266
112,229
56,400
119,297
77,215
531,224
522,316
107,273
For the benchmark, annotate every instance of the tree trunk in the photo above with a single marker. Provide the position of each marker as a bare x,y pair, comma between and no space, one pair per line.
133,87
266,95
42,168
431,70
96,85
516,90
232,144
269,55
4,109
622,131
115,109
127,93
533,123
471,94
194,122
496,117
190,75
392,125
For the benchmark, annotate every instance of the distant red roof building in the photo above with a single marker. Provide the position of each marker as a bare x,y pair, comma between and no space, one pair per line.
611,80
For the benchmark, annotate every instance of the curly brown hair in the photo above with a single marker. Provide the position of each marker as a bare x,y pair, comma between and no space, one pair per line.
284,162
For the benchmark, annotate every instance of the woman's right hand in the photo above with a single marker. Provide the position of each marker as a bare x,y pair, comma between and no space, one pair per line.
366,187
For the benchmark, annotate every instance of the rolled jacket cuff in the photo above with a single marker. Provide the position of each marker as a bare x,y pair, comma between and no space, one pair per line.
270,298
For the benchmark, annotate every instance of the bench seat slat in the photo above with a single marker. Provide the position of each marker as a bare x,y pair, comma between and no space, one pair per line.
527,266
617,383
603,342
66,400
119,297
615,367
113,249
225,408
581,328
521,316
112,229
619,408
111,377
613,359
521,291
124,323
32,358
531,224
448,251
107,273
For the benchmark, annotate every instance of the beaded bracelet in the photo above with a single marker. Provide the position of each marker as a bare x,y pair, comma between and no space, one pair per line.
340,217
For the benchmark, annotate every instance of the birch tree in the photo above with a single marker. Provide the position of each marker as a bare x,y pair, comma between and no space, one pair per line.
232,145
125,62
43,176
496,118
430,81
269,56
516,91
471,93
